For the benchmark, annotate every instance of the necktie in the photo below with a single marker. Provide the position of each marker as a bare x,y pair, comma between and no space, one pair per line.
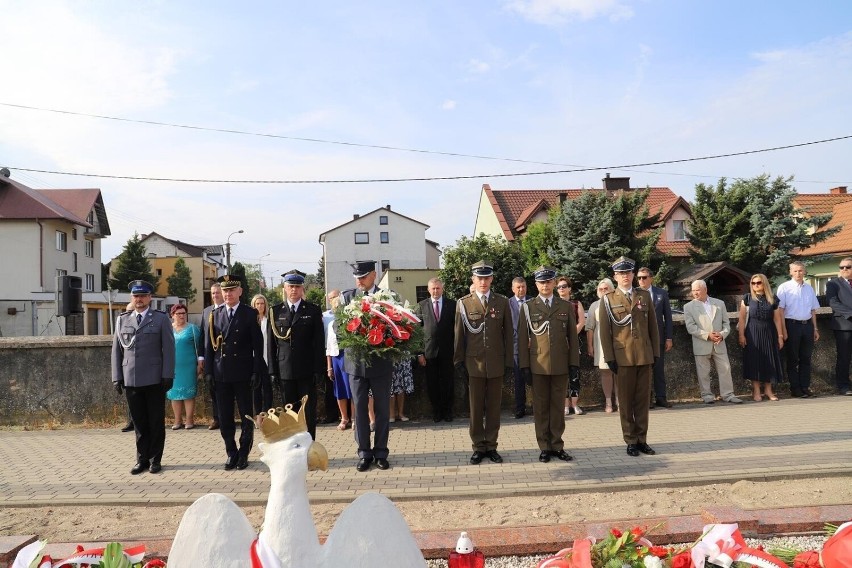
547,303
292,311
437,311
850,281
629,296
485,301
138,319
230,314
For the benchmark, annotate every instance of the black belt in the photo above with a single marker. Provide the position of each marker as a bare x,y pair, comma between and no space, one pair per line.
803,322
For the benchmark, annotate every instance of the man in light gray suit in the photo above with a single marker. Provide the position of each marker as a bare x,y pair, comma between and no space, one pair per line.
143,366
707,322
838,291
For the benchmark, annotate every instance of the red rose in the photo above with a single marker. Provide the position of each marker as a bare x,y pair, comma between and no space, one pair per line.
616,533
374,337
659,551
637,532
683,560
353,325
389,342
809,559
404,334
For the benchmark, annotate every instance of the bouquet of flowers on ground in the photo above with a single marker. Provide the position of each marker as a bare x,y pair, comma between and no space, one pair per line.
377,325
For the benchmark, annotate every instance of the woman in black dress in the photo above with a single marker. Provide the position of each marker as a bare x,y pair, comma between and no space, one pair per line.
761,337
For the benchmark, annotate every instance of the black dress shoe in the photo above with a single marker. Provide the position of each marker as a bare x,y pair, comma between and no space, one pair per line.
155,467
138,468
663,403
645,448
562,455
242,463
448,418
214,425
544,456
806,393
382,463
632,450
494,456
476,458
364,464
231,463
436,418
128,427
520,414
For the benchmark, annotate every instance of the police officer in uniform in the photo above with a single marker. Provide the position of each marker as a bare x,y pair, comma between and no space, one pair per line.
233,360
630,340
547,353
364,378
143,365
483,356
298,358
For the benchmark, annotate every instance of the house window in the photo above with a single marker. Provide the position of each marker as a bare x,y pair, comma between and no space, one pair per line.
362,238
383,219
90,248
159,272
61,241
385,266
679,228
91,220
384,236
422,292
90,282
74,233
75,262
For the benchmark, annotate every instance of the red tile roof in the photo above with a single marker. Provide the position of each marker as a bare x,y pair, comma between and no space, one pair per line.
841,243
819,203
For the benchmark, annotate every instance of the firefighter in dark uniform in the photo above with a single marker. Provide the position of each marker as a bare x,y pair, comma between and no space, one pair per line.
548,353
233,361
298,357
483,356
143,365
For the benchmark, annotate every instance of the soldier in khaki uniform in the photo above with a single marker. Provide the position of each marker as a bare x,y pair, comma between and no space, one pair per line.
483,355
630,340
547,353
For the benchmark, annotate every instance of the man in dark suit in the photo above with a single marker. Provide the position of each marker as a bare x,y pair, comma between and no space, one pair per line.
663,311
364,378
519,297
483,357
217,299
630,341
233,360
298,357
838,292
437,314
143,365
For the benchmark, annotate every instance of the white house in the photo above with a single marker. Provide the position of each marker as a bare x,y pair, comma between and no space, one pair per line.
392,240
46,233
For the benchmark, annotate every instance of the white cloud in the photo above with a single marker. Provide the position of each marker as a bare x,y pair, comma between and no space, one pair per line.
559,11
449,105
478,66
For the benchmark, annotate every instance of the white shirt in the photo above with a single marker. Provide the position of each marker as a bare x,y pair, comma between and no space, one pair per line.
708,307
293,307
548,301
143,313
263,331
797,300
483,298
331,347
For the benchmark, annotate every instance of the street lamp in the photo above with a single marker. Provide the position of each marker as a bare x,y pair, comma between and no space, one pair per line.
228,249
260,264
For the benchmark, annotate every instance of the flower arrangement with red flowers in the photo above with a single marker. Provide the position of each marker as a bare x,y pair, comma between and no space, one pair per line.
377,325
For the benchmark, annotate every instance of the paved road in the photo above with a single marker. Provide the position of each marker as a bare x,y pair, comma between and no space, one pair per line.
695,444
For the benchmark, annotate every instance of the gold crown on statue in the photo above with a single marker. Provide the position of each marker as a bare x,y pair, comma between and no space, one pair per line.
280,423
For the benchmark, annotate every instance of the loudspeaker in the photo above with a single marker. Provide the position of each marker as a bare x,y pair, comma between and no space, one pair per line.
70,292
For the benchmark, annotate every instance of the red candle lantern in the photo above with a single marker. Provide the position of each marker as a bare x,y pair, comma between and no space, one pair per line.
465,555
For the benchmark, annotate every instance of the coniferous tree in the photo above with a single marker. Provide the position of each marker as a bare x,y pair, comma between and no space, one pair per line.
180,282
132,264
537,240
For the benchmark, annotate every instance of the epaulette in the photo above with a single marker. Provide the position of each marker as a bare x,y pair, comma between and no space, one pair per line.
466,296
125,313
161,311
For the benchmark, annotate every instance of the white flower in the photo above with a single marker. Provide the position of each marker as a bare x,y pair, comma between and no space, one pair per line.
651,561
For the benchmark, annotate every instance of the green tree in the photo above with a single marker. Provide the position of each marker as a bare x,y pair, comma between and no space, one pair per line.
132,264
317,296
321,273
537,240
180,282
595,229
505,256
753,224
238,269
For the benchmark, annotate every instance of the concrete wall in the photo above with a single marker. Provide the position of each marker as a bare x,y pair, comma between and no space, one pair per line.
67,379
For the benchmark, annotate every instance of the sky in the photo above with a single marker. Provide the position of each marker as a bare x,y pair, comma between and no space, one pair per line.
353,91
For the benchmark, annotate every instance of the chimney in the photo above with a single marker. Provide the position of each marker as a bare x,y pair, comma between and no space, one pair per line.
387,207
615,183
839,190
355,216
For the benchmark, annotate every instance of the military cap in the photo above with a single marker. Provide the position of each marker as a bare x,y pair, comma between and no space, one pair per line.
229,281
140,287
362,267
294,278
482,268
623,264
544,273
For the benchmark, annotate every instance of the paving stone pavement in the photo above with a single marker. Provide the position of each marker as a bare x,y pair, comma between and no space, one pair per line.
695,444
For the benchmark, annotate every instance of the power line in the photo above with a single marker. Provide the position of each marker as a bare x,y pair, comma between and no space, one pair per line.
444,178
